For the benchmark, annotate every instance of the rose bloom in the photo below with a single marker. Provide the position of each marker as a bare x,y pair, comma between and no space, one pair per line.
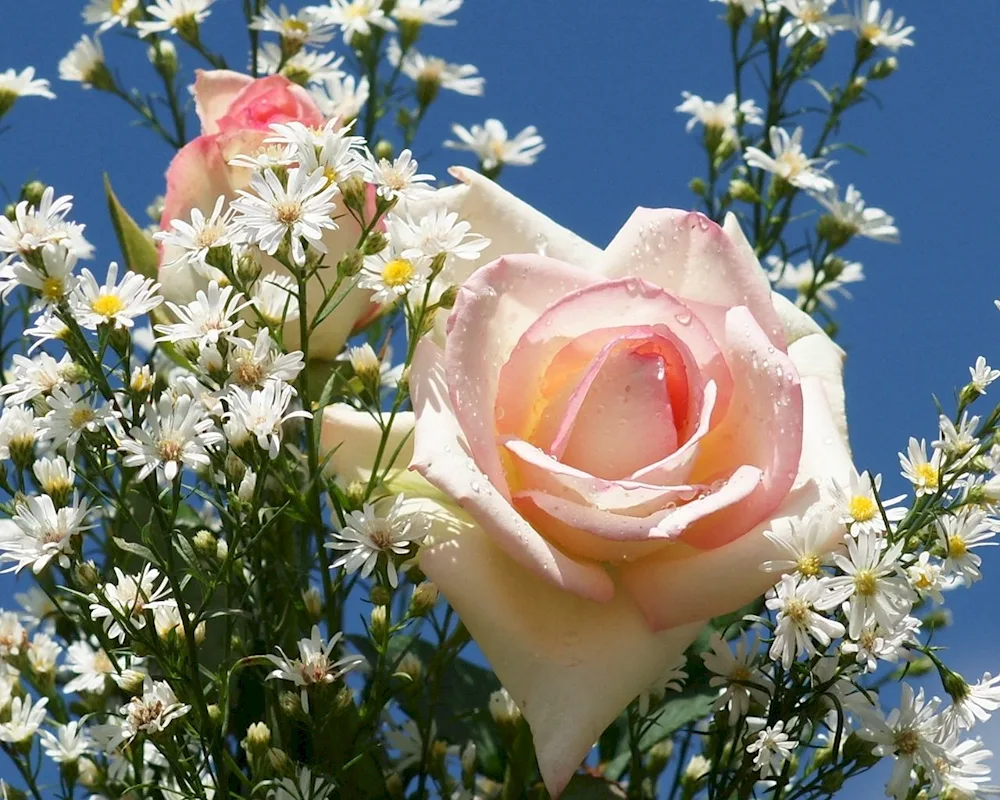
604,437
236,112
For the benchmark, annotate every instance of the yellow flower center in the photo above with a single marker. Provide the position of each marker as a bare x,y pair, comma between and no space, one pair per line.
808,566
862,508
209,235
331,175
296,28
927,474
288,212
170,450
865,582
871,31
52,289
794,162
80,417
923,581
107,305
117,6
811,15
957,546
397,272
796,610
740,673
907,742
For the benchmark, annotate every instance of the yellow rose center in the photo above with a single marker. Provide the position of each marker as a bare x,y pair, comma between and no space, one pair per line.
862,508
397,272
107,305
957,546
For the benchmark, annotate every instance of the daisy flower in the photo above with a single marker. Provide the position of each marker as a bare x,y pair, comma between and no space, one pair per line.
434,73
71,415
105,14
18,433
391,276
276,298
735,673
877,643
252,367
927,577
314,665
42,533
307,26
854,216
174,434
90,665
262,413
303,68
128,598
924,474
959,534
31,377
356,17
174,16
270,212
436,231
877,28
719,116
115,304
493,147
802,278
189,242
15,84
36,226
976,704
211,316
789,162
150,713
398,178
856,503
342,97
26,717
957,440
54,281
368,535
68,744
84,64
799,627
772,748
962,773
302,787
808,17
425,12
804,545
982,375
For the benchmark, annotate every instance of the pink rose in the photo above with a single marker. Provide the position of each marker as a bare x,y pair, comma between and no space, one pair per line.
605,437
235,112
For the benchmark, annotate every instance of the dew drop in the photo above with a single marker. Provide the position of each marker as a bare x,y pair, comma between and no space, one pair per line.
541,244
683,317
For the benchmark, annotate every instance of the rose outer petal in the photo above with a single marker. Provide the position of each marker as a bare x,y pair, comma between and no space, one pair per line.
442,456
214,91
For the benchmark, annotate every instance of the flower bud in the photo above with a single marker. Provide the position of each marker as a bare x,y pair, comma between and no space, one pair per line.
920,666
279,761
214,713
448,297
379,623
814,53
698,186
32,191
350,264
697,768
394,787
291,704
210,361
129,681
258,738
659,756
74,373
10,211
375,243
142,380
468,761
937,619
741,190
313,602
832,782
855,89
354,193
423,599
199,637
344,699
248,268
883,69
163,57
380,595
503,709
88,774
383,149
85,575
204,543
411,667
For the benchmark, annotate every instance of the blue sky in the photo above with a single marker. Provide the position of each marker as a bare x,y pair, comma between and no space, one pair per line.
600,80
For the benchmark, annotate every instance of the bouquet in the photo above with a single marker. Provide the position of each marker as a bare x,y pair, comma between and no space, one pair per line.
349,480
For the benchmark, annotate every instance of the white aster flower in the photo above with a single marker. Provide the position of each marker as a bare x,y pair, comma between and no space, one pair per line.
390,275
426,12
803,279
18,433
48,327
877,643
105,14
191,241
738,675
152,712
262,413
211,316
799,627
128,598
962,773
672,680
113,303
853,215
54,281
431,73
368,535
71,415
42,533
927,577
25,719
982,375
924,474
722,117
276,299
174,16
911,733
804,544
977,704
314,665
960,534
808,17
877,28
957,440
90,665
331,148
15,84
872,581
305,67
252,367
789,162
264,157
68,744
34,227
772,748
30,378
748,6
174,434
356,17
269,213
342,97
13,636
857,504
43,652
38,608
302,787
435,232
491,144
307,26
84,63
398,178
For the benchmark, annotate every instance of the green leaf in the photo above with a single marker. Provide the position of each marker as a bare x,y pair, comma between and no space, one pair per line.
136,549
138,249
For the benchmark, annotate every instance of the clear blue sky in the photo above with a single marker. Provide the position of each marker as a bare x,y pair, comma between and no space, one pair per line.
600,80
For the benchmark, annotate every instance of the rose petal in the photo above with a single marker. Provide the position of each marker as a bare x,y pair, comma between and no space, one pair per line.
266,101
693,258
493,308
550,649
442,456
669,586
214,91
196,178
817,355
352,438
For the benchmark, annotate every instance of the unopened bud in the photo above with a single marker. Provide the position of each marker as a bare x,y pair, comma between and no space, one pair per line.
354,192
855,89
379,622
743,191
814,53
88,774
74,373
411,667
279,761
204,543
937,619
199,636
214,713
468,762
248,268
85,575
383,149
698,186
503,709
163,57
350,264
448,297
258,738
423,599
697,768
394,786
129,681
355,494
832,782
32,191
142,380
883,69
920,666
313,601
375,243
659,756
291,704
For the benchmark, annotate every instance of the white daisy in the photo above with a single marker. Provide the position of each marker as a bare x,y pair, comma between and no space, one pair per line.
982,375
174,16
737,675
47,328
262,413
54,281
436,231
342,97
722,117
269,213
772,748
873,582
90,665
799,627
127,599
805,544
18,433
398,178
303,68
431,73
68,744
803,279
15,84
304,786
26,718
854,216
307,26
152,712
856,502
315,664
923,474
252,367
491,144
368,535
962,774
356,17
957,440
105,14
71,415
877,28
808,17
211,316
38,608
84,64
189,242
43,533
959,534
926,576
43,652
977,703
30,378
114,304
425,12
34,227
276,299
174,434
789,162
877,643
391,276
